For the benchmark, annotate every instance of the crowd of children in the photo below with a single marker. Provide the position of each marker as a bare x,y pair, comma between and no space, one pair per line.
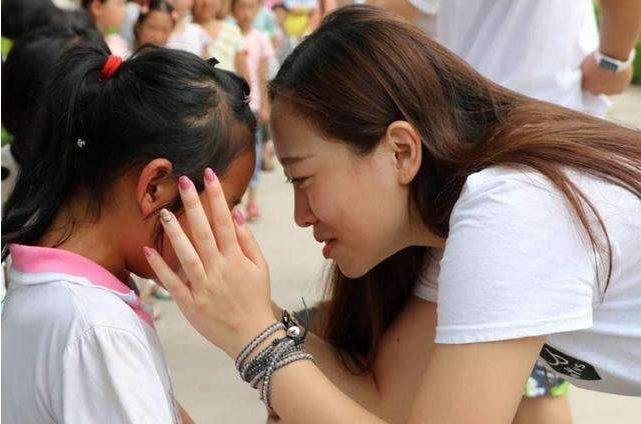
250,38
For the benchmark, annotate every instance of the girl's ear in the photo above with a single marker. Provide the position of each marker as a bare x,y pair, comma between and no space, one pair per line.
404,143
156,186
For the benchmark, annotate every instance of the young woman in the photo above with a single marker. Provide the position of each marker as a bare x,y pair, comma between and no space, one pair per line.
522,220
113,140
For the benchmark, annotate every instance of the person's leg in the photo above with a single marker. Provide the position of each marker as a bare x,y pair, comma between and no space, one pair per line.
545,400
253,211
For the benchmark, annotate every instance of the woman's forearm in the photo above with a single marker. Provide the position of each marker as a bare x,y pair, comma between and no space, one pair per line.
295,388
389,389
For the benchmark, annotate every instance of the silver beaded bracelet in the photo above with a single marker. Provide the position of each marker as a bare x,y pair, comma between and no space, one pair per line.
279,353
251,346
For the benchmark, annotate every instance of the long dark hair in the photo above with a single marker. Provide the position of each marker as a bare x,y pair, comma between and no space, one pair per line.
160,103
24,77
363,69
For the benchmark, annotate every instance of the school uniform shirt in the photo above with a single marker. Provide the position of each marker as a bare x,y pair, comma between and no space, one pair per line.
517,263
77,347
530,46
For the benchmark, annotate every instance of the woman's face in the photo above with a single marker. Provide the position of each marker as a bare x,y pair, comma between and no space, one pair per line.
155,29
355,203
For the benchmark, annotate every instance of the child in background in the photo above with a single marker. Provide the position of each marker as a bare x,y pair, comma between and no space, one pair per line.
227,41
24,74
113,138
109,15
299,17
259,54
187,35
155,24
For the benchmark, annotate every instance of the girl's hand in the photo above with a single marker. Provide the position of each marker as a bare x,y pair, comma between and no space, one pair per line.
226,296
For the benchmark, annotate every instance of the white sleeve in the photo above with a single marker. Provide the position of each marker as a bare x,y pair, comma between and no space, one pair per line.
108,376
427,285
516,264
429,7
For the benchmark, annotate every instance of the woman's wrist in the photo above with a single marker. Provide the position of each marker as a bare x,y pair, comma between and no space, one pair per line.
250,333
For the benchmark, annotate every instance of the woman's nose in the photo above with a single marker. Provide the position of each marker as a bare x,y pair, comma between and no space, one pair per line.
303,214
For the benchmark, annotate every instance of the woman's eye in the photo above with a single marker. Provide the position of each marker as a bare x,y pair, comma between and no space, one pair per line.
296,181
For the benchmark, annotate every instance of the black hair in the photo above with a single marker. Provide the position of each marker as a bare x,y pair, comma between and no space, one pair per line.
78,21
17,14
24,76
160,103
87,3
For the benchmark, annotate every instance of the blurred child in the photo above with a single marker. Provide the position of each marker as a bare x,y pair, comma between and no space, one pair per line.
109,16
155,24
259,53
187,35
227,41
24,77
113,138
299,17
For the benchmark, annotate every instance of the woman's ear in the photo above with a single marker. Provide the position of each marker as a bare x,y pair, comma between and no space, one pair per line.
405,144
156,187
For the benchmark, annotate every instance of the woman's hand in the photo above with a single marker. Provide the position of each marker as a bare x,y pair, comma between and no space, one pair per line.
227,295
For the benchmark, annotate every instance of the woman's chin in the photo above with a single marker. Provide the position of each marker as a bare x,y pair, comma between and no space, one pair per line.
351,270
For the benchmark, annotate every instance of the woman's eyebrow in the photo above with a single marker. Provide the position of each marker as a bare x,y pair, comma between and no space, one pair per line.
290,160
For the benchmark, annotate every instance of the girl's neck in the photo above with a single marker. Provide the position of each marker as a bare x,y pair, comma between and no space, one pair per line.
245,29
75,230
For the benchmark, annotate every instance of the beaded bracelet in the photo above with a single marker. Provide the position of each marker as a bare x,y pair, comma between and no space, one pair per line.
251,346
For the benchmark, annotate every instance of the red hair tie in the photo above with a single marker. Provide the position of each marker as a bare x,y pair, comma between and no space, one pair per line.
112,64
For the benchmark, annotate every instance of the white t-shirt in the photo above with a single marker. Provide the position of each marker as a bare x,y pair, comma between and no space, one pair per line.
190,37
77,347
530,46
517,264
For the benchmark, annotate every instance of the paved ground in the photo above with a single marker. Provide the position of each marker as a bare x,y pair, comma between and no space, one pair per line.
205,380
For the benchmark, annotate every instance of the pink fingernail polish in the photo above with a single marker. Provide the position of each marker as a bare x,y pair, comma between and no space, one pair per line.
149,252
184,183
210,176
238,217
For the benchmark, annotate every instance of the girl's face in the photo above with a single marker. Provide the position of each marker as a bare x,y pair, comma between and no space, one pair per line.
139,193
234,183
109,15
245,12
357,204
155,29
205,10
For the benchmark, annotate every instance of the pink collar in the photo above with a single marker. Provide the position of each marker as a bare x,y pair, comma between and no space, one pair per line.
40,260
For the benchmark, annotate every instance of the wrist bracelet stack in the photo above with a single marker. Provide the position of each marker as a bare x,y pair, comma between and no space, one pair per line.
279,353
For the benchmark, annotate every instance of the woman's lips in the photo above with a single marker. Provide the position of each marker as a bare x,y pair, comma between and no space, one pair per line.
329,246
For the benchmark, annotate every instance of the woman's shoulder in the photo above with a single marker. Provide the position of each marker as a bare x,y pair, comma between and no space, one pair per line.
529,186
